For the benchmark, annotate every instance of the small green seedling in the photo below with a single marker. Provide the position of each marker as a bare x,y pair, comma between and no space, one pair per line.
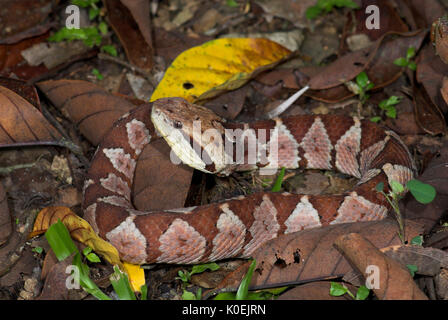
422,192
109,49
338,289
38,250
91,36
407,61
97,73
92,257
363,84
417,241
232,3
388,106
325,6
94,11
412,269
185,275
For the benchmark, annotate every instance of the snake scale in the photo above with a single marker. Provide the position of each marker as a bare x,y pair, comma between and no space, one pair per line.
236,227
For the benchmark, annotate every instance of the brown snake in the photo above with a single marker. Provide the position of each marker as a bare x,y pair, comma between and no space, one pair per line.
236,227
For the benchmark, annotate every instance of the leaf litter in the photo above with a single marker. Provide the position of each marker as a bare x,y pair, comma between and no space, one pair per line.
335,49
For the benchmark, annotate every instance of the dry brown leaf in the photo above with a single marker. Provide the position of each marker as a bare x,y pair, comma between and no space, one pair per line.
22,124
55,287
439,36
395,280
428,260
155,193
87,105
390,21
436,174
129,30
309,255
430,73
427,114
23,89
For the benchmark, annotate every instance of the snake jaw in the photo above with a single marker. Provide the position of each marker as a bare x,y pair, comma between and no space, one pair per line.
195,134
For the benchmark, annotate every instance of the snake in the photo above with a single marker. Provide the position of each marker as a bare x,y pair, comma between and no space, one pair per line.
236,227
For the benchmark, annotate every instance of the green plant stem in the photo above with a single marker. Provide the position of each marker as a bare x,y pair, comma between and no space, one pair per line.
396,208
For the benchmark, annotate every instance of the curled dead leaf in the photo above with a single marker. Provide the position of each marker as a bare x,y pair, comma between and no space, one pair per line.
79,229
395,280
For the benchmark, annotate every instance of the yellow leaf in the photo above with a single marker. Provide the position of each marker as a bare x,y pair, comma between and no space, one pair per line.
136,275
221,64
79,229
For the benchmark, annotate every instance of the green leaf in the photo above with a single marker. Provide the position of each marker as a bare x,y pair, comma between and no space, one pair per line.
110,49
379,187
345,4
187,295
391,112
396,186
369,86
391,101
412,66
93,13
362,80
183,275
38,250
232,3
120,282
202,267
401,62
103,28
412,269
89,36
337,289
92,257
375,119
243,289
97,73
60,241
84,3
362,293
417,241
278,182
410,53
313,12
422,192
225,296
199,294
144,291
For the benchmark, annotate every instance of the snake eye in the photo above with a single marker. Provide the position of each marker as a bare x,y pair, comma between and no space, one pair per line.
177,124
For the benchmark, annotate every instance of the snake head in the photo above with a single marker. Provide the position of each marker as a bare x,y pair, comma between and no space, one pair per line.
195,134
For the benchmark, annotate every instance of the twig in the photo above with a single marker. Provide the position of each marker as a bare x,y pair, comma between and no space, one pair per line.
128,65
